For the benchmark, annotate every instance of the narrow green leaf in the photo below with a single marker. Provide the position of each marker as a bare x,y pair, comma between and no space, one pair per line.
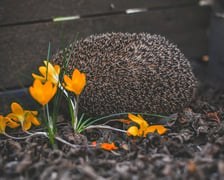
48,56
83,125
80,121
70,54
71,110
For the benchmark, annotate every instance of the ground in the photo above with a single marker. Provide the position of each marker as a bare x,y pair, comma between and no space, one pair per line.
192,148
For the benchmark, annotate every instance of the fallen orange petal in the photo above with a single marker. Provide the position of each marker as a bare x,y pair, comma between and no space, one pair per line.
125,121
108,146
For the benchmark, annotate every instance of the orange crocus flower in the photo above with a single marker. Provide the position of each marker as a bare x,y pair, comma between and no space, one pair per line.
51,71
42,93
77,83
25,117
144,127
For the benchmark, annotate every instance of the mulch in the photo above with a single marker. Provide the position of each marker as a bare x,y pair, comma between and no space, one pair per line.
192,148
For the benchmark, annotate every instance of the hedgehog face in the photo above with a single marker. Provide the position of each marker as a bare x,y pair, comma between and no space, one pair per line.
131,73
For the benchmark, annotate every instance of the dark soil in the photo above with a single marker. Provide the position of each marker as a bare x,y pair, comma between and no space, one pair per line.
192,148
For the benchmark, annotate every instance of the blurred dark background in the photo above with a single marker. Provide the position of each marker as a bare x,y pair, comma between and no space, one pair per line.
27,27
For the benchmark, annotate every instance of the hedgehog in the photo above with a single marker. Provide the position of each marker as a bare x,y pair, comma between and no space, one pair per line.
131,72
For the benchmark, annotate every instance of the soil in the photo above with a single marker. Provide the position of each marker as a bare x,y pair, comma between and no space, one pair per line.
192,148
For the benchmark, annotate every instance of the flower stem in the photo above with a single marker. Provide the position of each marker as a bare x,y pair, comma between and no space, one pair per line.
74,107
66,142
66,94
49,124
48,117
46,135
25,137
17,138
76,112
106,127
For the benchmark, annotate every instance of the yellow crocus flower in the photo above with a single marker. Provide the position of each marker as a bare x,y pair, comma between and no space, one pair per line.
77,83
51,71
42,93
25,117
144,127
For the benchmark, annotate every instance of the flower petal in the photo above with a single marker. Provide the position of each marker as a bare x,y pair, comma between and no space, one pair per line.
67,80
108,146
42,93
26,124
140,117
51,69
2,124
49,89
34,112
41,78
12,124
17,109
43,71
143,124
13,117
49,73
125,121
30,117
52,76
34,93
137,119
69,88
37,84
77,83
57,69
133,130
159,128
48,92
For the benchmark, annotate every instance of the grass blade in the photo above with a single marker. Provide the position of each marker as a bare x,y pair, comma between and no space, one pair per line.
70,54
80,121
